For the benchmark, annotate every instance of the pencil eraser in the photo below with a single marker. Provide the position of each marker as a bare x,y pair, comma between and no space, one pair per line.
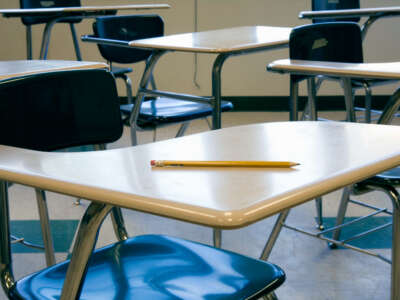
152,162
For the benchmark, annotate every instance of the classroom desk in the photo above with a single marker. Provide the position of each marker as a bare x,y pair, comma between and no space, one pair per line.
223,42
60,13
372,14
345,71
224,198
17,68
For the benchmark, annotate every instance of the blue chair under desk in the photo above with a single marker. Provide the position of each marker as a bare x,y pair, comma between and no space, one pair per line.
112,35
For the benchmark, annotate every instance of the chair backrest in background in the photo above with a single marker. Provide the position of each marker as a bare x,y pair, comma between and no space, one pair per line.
46,4
127,28
334,41
57,110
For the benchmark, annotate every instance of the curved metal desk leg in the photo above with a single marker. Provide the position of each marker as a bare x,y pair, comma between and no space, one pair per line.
392,106
389,111
75,40
349,100
365,27
144,82
276,230
7,277
216,116
312,107
83,248
293,99
29,42
46,39
395,286
45,225
182,129
116,213
216,90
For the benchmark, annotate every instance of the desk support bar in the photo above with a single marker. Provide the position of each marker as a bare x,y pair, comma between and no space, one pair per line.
187,97
143,84
216,90
83,248
294,99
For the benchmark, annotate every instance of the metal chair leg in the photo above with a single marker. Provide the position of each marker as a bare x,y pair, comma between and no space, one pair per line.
341,214
318,205
276,230
367,103
395,290
217,237
312,102
76,43
119,224
182,129
45,225
128,84
293,102
270,296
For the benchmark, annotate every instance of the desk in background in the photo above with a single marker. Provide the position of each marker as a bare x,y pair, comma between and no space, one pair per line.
346,71
372,14
61,13
18,68
223,42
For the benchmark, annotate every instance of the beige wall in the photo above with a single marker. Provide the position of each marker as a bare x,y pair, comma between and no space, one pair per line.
243,75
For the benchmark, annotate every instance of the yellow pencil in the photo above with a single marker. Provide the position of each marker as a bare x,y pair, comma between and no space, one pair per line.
199,163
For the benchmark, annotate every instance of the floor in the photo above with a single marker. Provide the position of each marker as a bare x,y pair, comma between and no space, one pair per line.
313,270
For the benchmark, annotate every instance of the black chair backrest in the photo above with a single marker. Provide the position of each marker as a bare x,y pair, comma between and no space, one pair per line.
334,5
47,4
335,41
52,111
127,28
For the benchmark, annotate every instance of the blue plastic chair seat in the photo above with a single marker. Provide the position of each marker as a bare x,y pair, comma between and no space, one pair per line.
161,267
166,111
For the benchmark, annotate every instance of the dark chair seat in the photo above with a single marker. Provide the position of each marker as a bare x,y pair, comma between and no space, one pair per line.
164,111
161,267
